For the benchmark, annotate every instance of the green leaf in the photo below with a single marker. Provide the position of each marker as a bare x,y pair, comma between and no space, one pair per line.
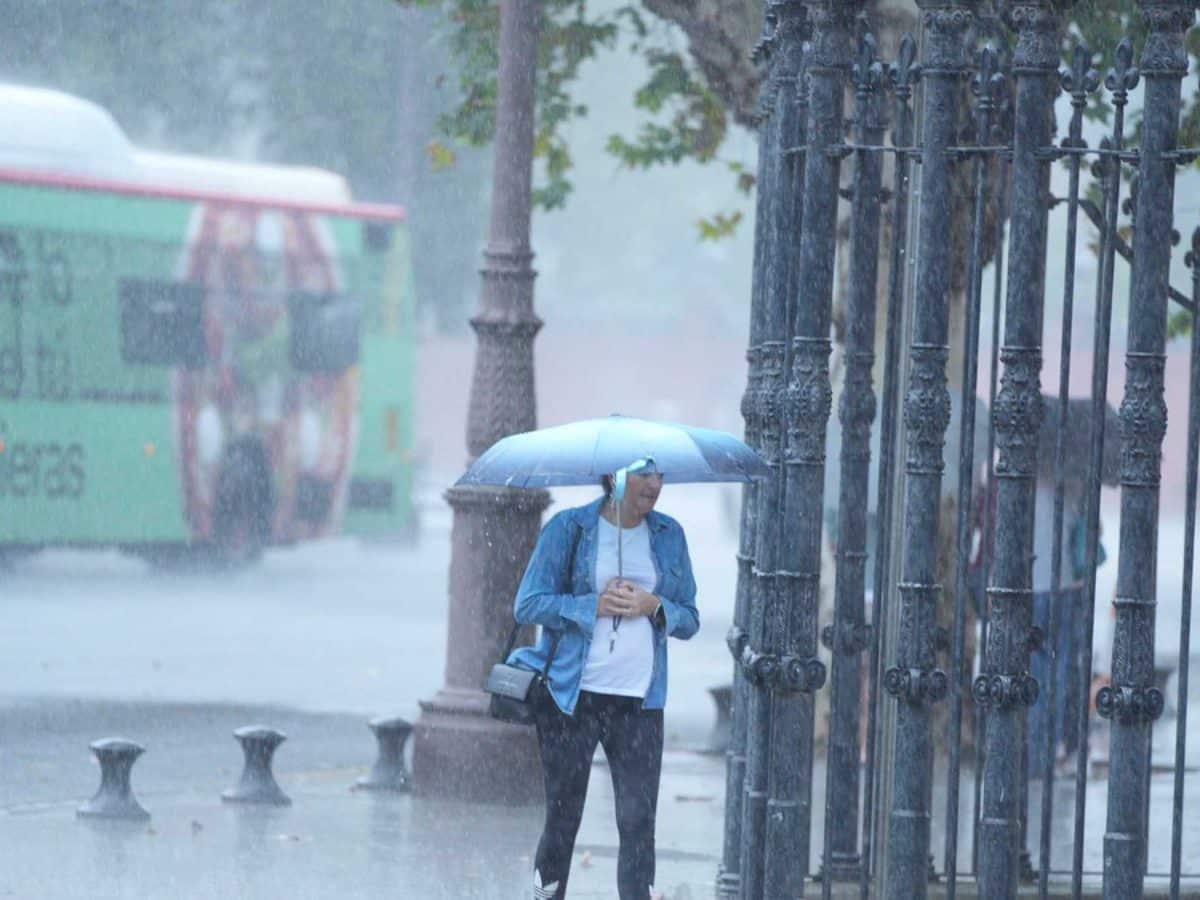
719,226
1180,323
440,156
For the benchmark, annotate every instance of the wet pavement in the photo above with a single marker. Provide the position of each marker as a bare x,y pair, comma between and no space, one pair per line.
332,841
315,641
333,626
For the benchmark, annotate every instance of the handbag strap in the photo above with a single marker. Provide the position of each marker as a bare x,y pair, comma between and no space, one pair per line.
512,642
554,638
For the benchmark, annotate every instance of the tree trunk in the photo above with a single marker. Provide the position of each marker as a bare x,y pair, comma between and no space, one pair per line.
721,34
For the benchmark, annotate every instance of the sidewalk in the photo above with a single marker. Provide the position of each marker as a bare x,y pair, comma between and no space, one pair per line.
315,641
332,842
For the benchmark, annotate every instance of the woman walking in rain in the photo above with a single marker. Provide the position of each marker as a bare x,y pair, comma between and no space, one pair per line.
608,582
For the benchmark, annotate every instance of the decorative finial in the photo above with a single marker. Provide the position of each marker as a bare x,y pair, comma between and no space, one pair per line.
905,71
867,70
1192,259
1123,77
1080,78
988,83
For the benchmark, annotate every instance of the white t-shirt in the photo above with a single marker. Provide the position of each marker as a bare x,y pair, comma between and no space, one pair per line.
621,662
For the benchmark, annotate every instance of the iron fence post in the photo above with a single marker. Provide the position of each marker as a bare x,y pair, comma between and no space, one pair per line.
760,656
1122,78
987,532
913,680
729,880
903,74
849,633
1005,686
1132,702
1079,80
987,85
789,810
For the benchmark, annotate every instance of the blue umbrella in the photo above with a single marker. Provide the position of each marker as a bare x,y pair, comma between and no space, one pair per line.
581,452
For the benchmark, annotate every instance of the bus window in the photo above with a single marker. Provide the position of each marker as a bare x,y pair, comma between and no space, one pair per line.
325,331
162,323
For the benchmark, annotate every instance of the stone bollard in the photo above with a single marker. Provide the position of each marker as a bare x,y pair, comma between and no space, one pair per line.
388,773
257,784
718,739
115,798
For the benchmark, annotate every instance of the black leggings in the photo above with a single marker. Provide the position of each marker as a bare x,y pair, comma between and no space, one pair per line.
632,739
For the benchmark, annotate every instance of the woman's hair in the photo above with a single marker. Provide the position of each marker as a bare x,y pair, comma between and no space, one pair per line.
606,482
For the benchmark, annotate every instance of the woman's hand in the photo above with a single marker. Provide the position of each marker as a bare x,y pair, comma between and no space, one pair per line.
625,599
613,602
638,601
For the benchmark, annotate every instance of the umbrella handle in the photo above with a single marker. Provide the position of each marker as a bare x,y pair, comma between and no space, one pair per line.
619,483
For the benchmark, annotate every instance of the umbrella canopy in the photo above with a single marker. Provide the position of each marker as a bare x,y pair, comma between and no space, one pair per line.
1077,441
581,452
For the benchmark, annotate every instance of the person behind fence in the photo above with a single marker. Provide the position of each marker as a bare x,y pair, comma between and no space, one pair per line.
1065,647
606,609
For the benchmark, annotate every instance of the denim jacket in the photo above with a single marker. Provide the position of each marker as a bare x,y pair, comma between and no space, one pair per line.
564,603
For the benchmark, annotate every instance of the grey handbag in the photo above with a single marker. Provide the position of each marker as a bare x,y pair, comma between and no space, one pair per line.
514,689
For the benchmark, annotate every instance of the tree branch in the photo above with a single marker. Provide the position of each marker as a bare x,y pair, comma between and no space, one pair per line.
720,36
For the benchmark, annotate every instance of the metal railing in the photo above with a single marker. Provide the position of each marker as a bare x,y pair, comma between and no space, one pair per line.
1047,455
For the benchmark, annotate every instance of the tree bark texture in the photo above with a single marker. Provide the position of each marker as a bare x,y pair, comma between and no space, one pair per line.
721,34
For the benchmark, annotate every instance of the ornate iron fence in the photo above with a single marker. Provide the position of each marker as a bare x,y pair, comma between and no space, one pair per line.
994,145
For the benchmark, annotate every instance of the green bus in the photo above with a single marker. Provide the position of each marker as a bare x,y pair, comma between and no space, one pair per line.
198,359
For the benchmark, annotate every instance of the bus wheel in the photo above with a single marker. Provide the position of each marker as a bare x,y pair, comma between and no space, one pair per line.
245,500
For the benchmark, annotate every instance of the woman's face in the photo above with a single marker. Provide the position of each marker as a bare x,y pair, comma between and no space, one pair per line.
641,492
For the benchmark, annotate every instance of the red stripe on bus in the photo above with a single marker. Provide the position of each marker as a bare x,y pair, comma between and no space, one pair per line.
374,211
